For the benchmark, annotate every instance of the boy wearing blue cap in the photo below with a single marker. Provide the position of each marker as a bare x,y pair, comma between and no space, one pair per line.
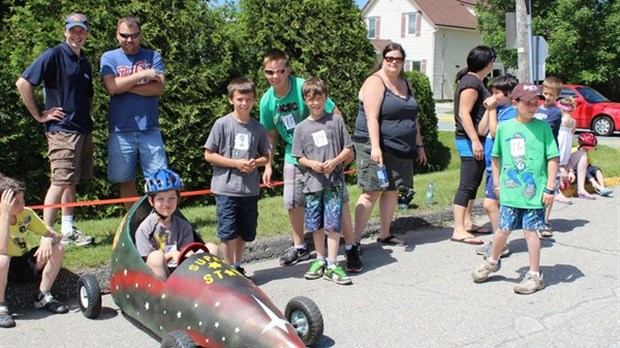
68,91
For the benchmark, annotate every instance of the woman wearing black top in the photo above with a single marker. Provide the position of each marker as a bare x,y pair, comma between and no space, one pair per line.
468,111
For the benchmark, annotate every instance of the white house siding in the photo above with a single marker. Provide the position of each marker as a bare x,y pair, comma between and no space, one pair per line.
450,56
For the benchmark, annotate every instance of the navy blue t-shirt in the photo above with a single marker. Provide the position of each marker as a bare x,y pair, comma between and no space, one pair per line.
553,117
67,82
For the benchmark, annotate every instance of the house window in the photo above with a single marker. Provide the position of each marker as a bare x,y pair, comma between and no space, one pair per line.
372,27
411,24
416,65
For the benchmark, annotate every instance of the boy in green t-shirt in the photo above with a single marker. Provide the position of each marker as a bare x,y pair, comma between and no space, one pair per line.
525,163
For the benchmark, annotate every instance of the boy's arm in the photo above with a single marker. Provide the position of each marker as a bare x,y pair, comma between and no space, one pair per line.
549,191
272,135
219,160
330,165
495,166
308,163
6,201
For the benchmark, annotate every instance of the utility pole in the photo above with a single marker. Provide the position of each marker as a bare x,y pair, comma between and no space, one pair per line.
522,41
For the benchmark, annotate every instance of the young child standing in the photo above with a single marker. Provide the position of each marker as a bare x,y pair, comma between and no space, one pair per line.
499,109
525,163
565,143
550,113
17,262
321,143
237,146
162,235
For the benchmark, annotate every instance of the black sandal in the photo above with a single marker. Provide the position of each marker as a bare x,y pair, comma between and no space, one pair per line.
389,240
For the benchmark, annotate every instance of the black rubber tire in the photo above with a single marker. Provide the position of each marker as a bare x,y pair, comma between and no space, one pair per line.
177,339
306,318
89,296
603,125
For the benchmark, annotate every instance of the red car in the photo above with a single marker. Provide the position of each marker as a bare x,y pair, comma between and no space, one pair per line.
593,110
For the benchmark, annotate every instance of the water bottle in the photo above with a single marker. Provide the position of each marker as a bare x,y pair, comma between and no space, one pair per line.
429,194
403,206
382,177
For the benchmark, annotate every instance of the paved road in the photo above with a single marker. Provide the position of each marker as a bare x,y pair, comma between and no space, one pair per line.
445,122
423,295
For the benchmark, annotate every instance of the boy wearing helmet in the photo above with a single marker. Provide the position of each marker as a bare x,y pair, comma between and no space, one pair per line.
580,163
162,235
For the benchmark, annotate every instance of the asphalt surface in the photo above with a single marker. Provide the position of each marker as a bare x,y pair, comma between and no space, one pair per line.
421,295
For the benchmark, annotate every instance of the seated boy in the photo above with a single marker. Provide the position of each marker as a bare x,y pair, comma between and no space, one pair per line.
580,163
17,262
162,235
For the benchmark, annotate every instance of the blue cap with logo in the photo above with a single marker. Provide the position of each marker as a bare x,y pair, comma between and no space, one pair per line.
76,20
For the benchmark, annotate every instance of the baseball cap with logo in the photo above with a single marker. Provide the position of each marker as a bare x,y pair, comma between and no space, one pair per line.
524,91
76,20
587,141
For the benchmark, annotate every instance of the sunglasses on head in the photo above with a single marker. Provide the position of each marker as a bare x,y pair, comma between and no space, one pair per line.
132,35
390,59
275,71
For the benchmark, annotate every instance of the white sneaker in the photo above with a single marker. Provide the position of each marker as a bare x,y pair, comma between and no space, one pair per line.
78,238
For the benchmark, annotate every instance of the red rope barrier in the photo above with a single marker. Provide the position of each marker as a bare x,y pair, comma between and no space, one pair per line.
133,199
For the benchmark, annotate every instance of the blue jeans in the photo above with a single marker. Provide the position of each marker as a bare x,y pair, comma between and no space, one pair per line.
125,149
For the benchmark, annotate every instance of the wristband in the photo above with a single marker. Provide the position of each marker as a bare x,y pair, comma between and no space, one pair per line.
420,146
547,191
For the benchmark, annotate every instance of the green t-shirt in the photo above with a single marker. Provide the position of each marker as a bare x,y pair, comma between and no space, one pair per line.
283,114
524,150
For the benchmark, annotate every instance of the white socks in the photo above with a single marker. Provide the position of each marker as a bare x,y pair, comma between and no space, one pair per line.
66,227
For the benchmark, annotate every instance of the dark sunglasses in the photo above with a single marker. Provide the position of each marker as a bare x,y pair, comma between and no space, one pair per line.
132,35
270,72
394,59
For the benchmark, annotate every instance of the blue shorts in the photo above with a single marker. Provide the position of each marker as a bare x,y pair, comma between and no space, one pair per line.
463,147
511,219
324,210
488,188
126,148
236,217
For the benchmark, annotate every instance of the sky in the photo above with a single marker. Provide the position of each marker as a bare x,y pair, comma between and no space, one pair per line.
360,3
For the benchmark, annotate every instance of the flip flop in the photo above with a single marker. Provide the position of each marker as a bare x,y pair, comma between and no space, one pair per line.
605,192
478,229
467,240
586,196
564,201
389,240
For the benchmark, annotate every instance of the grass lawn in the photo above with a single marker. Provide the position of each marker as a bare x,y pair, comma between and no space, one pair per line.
273,219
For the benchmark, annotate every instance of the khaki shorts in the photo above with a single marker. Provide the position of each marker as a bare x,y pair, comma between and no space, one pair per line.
70,156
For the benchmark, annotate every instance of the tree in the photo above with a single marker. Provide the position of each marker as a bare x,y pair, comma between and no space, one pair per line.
582,37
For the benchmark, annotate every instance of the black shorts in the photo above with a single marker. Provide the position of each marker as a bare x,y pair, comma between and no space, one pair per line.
23,268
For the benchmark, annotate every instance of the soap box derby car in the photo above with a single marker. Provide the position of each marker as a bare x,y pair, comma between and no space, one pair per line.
204,302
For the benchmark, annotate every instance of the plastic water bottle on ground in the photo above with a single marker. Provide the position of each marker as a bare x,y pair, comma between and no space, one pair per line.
429,194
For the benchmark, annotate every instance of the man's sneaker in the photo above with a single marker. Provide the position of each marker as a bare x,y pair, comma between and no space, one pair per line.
483,271
6,320
354,262
485,251
294,255
48,302
78,238
530,284
337,275
317,268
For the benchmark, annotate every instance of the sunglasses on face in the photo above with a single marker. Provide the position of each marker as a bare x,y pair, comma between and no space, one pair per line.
390,59
132,35
270,72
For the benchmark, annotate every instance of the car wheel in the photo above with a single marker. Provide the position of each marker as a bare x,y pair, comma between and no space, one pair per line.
89,296
177,339
306,318
603,125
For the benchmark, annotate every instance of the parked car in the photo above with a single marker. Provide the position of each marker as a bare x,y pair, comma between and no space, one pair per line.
593,110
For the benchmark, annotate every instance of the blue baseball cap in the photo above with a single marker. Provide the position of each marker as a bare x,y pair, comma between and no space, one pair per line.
76,20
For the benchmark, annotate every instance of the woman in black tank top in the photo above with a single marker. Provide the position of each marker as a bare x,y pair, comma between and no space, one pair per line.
387,138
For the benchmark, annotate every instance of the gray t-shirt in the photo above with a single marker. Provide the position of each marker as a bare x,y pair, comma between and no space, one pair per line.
321,140
236,140
151,235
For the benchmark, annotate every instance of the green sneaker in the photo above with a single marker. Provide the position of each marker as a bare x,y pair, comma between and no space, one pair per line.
337,275
317,268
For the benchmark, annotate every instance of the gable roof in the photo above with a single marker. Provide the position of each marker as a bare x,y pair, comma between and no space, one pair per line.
443,13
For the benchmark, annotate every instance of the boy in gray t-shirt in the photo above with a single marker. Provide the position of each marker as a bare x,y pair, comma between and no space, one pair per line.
321,143
237,146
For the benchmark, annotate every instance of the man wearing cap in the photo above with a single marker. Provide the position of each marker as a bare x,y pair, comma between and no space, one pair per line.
134,78
68,92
